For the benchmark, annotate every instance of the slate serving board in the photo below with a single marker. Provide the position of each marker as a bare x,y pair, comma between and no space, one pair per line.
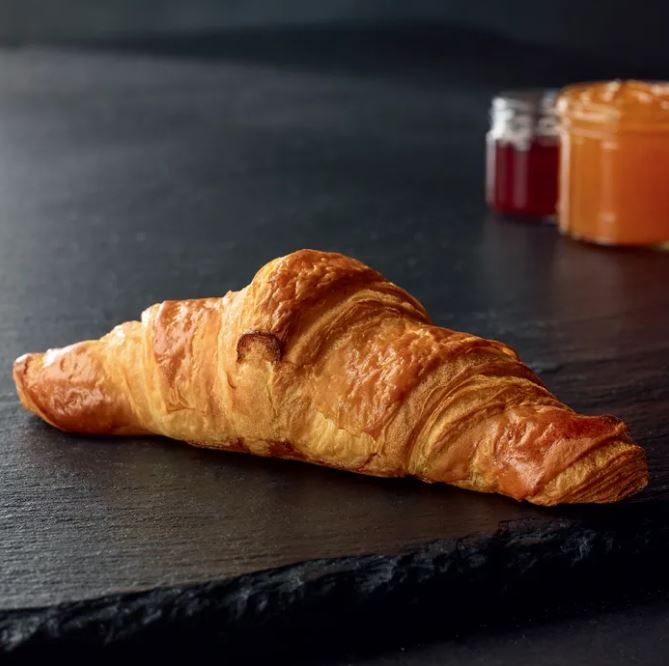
128,179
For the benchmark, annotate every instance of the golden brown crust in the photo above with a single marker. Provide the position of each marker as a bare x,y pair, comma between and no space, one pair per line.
321,359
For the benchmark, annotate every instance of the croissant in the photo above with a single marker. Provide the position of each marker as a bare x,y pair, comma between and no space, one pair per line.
321,359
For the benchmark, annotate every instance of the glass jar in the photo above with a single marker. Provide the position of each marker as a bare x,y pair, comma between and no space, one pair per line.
614,166
522,154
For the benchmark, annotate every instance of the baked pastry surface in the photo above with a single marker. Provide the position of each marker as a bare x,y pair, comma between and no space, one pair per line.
323,360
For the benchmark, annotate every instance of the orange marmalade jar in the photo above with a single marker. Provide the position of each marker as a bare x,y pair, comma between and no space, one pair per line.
614,162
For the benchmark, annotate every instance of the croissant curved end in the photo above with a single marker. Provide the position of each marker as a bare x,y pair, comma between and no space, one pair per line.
608,474
23,368
19,371
69,389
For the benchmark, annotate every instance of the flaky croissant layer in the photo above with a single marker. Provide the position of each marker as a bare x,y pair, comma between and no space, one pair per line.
323,360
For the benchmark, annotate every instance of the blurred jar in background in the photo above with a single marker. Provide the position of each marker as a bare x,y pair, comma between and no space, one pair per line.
522,154
614,170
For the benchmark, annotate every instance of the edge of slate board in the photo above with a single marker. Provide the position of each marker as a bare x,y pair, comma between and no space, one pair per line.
327,604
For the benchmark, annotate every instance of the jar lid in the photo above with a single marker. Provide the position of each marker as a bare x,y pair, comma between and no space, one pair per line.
638,103
532,101
519,116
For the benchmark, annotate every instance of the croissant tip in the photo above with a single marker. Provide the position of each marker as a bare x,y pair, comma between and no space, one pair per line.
20,364
19,373
612,474
19,369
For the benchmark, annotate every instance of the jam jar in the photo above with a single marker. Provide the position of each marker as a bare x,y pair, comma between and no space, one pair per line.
614,165
522,154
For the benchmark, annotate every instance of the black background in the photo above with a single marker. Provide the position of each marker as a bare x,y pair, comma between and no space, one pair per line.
633,33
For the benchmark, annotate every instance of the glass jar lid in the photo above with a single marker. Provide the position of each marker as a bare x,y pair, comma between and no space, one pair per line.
519,116
631,104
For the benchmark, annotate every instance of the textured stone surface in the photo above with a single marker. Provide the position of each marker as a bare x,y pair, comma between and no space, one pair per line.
443,586
125,180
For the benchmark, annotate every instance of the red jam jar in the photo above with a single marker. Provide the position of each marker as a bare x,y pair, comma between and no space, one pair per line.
523,154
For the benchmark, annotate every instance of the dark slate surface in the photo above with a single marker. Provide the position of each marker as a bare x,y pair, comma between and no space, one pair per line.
128,179
635,635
